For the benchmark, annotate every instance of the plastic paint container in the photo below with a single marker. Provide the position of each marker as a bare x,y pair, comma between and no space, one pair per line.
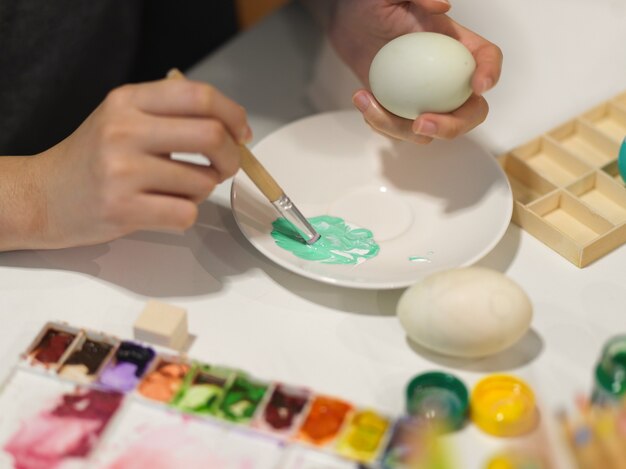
610,373
503,405
621,160
514,461
439,399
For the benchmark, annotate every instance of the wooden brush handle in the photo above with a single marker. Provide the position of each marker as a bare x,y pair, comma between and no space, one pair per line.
259,175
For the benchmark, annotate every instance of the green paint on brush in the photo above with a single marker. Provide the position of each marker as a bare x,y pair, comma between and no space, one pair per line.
339,243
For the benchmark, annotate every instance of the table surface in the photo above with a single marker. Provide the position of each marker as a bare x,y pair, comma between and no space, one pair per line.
561,58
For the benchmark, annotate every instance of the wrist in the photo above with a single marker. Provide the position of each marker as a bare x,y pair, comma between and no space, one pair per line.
23,217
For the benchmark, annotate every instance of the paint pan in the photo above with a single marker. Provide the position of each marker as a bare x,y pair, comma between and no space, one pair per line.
164,379
283,409
242,398
130,362
203,389
52,345
324,421
87,357
364,436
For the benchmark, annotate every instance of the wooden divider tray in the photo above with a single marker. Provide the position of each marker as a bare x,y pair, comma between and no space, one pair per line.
566,185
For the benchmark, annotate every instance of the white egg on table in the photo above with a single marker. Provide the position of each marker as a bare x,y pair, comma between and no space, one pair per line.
422,72
468,312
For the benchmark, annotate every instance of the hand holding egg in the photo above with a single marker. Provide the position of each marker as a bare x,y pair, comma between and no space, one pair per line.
422,72
359,29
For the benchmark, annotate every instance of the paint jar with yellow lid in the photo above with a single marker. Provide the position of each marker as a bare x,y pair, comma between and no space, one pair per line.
515,461
503,405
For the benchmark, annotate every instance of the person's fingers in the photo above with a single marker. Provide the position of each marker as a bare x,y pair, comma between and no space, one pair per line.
186,98
453,124
488,67
430,6
161,212
172,177
383,121
164,135
487,55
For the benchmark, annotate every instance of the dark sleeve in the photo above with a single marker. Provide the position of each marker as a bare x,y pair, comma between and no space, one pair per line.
178,34
59,59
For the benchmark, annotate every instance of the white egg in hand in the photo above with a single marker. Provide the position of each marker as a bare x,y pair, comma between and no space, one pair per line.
469,312
422,72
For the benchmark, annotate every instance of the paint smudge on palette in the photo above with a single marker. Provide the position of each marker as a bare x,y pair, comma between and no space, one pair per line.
339,243
427,259
69,430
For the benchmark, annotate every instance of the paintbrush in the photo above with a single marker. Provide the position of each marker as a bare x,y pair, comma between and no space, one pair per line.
583,443
270,188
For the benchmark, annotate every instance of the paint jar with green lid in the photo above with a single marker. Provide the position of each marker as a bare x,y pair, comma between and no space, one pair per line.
610,373
439,399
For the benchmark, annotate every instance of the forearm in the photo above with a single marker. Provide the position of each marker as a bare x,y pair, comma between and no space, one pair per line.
22,203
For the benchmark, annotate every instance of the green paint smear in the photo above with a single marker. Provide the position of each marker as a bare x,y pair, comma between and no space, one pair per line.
202,389
338,244
200,398
241,400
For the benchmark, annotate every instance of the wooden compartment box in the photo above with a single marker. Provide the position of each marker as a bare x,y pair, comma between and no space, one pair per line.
566,185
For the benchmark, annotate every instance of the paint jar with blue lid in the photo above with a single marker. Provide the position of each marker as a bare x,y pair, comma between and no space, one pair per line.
438,399
610,373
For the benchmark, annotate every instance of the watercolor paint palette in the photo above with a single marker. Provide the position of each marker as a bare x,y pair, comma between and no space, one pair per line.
79,398
566,184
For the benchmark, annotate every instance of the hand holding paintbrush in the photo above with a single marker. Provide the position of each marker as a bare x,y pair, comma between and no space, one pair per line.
269,187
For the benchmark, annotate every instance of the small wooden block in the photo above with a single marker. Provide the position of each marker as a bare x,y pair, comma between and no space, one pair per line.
162,324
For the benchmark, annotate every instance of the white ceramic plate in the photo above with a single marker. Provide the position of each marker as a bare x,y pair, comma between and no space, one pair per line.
430,208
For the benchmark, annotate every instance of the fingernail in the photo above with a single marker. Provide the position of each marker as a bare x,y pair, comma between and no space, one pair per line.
443,1
246,135
426,128
485,85
361,101
174,73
